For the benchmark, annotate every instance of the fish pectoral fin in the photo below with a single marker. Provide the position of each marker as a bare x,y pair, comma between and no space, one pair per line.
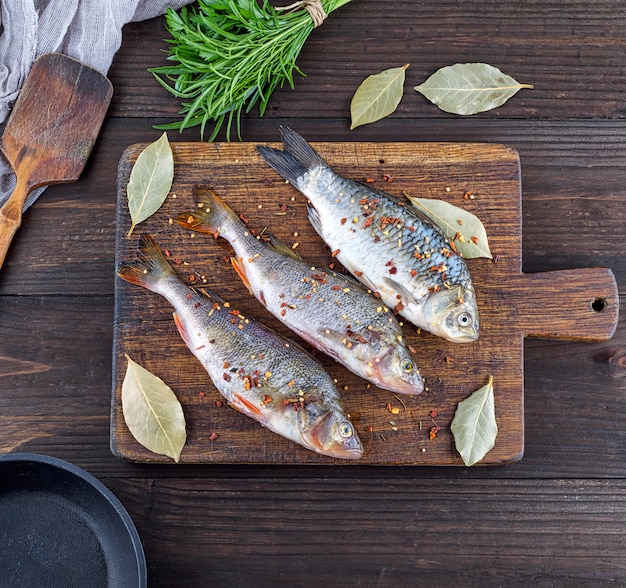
280,247
246,407
407,297
240,268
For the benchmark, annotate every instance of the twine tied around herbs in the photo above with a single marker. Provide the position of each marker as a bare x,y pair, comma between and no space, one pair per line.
313,7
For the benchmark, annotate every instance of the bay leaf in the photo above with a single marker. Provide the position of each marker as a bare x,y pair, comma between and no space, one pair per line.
377,96
150,180
474,425
462,227
152,412
468,88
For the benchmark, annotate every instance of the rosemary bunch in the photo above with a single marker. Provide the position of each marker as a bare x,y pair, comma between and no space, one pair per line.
230,55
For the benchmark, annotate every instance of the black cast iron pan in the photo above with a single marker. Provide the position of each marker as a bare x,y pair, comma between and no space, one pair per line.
61,527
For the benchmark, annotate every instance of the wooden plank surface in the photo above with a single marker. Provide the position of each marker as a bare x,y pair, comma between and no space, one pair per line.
144,331
555,518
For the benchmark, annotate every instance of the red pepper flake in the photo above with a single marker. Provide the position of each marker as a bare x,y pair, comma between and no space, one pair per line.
283,312
413,273
283,208
369,180
432,414
335,253
219,403
369,429
432,434
412,349
213,436
398,307
393,270
388,178
167,253
343,221
460,221
367,223
244,219
226,365
475,240
410,228
192,278
357,273
226,377
189,296
267,399
202,394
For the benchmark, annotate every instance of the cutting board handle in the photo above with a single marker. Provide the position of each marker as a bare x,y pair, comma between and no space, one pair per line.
568,304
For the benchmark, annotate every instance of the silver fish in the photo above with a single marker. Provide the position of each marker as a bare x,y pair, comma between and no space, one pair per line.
388,246
259,372
332,312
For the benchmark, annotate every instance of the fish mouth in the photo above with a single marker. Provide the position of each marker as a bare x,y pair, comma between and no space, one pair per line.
324,428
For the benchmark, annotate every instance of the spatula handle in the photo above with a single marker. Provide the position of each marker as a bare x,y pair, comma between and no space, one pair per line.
11,216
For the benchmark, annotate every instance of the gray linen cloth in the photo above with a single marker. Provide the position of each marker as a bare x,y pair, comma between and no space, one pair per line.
87,30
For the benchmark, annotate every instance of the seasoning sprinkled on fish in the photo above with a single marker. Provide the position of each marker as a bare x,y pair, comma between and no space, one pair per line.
388,245
259,372
332,312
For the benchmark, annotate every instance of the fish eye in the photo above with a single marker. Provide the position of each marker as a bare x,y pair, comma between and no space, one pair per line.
464,319
345,429
406,365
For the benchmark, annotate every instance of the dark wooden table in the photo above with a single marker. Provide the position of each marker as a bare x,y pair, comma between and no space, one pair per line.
557,517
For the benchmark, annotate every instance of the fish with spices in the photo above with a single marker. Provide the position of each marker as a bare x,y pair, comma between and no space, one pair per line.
384,242
260,373
332,312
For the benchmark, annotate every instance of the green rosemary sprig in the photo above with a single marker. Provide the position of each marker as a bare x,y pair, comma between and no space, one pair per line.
230,55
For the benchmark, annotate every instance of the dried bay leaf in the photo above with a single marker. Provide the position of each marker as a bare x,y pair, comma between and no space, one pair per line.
150,180
462,227
468,88
152,412
474,425
377,96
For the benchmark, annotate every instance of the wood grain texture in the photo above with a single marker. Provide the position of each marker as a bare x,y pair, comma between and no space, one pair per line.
307,532
510,307
556,517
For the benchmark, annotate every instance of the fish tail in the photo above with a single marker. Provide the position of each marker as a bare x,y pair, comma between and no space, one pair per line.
297,158
214,218
149,269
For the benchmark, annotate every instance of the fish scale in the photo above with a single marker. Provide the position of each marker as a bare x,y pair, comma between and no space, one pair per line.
332,312
374,235
258,371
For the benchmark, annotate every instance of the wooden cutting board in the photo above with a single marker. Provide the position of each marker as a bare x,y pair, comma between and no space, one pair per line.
483,178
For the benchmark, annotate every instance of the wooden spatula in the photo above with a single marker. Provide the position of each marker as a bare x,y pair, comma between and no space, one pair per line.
51,130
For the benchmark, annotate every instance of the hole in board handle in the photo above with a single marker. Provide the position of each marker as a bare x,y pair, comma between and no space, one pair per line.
598,304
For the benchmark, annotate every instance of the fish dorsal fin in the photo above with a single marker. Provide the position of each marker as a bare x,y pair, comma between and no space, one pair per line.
314,218
280,247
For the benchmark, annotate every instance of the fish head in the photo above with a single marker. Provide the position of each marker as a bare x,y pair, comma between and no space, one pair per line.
394,368
452,314
334,435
